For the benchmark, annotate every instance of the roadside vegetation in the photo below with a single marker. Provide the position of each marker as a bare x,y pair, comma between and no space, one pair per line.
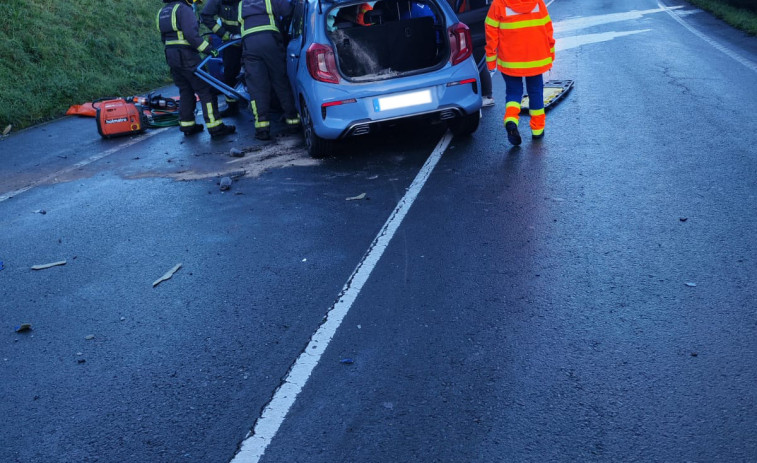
60,53
741,14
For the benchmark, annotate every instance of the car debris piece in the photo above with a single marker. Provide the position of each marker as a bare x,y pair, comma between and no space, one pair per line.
89,337
40,211
236,153
347,361
225,183
7,129
355,198
44,266
23,327
690,284
167,276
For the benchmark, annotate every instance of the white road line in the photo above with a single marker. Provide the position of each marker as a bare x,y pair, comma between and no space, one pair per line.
746,62
269,422
79,165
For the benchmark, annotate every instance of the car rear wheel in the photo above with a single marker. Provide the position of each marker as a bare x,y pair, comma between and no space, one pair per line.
466,125
317,147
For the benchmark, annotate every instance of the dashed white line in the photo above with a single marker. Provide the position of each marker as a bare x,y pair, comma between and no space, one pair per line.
79,165
746,62
269,422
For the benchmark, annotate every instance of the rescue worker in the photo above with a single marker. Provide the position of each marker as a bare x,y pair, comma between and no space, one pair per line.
227,11
520,43
264,61
179,31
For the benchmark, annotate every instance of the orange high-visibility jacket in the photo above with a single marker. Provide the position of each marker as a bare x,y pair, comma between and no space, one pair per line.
519,37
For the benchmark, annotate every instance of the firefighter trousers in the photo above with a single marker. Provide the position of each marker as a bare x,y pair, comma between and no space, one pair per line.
264,59
232,64
183,61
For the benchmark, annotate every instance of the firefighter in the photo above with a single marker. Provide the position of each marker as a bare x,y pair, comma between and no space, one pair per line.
227,11
264,59
179,31
520,44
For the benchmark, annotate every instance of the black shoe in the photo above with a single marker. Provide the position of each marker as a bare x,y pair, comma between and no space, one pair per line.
513,136
232,109
221,130
293,128
263,135
192,129
537,137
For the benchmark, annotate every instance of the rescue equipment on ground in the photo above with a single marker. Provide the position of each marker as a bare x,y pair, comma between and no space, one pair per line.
132,115
554,90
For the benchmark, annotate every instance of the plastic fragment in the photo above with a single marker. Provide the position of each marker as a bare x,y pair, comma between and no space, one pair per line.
167,275
1,265
236,153
44,266
7,129
225,183
89,337
355,198
23,327
40,211
347,361
690,284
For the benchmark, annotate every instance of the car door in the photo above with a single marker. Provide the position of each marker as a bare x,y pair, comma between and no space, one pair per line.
473,14
296,42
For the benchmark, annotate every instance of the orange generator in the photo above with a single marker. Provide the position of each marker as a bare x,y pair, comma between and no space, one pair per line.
118,117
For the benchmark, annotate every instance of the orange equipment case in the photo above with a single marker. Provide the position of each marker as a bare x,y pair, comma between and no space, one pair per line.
118,117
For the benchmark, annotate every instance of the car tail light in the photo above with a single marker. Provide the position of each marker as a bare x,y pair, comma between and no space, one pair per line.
460,43
321,63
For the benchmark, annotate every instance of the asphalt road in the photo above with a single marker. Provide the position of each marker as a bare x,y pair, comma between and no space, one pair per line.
589,297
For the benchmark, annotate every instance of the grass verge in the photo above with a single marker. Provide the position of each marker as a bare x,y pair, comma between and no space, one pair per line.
739,18
58,53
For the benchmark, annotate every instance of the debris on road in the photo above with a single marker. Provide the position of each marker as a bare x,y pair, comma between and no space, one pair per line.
167,276
683,219
355,198
347,361
1,265
225,183
44,266
236,153
89,337
7,130
40,211
690,284
23,327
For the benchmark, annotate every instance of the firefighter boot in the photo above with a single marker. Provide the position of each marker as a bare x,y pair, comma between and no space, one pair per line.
513,136
232,109
263,133
192,129
221,130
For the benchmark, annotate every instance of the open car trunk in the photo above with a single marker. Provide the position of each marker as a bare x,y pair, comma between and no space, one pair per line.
394,38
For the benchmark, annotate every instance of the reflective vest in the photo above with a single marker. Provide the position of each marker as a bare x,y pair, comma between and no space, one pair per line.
519,37
257,16
225,10
178,27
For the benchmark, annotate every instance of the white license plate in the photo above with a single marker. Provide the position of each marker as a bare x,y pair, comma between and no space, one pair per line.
404,100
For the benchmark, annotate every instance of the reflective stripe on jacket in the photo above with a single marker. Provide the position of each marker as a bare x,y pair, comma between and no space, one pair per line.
519,37
178,26
225,10
262,15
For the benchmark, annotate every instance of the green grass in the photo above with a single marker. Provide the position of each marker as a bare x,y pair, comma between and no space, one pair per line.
58,53
739,18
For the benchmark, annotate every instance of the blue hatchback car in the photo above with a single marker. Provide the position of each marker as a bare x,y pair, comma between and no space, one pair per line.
354,65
